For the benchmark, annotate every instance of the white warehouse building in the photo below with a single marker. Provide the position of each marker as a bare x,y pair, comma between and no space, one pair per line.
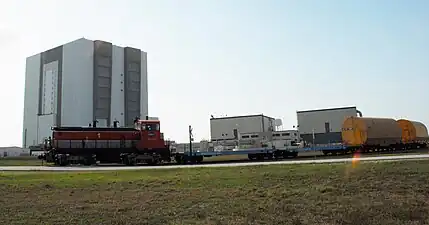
229,128
82,81
325,124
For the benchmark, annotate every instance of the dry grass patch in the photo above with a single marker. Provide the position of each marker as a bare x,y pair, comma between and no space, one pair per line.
367,193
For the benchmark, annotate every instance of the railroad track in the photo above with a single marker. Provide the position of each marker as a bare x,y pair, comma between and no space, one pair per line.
303,156
248,163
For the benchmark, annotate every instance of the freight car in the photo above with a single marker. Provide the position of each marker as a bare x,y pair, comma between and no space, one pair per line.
145,143
366,133
86,145
383,134
414,134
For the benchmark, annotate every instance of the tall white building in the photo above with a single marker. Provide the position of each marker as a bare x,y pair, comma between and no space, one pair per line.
82,81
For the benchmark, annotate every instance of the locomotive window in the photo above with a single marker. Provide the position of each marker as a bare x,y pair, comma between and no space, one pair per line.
150,127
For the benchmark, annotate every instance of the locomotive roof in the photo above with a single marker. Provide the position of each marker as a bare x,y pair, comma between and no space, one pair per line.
93,129
149,121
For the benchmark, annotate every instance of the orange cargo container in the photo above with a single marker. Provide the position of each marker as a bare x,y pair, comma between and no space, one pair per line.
359,131
413,131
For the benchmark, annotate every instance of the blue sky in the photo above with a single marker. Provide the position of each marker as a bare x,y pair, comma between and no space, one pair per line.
237,57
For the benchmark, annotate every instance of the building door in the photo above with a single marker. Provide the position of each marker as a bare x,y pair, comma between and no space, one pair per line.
235,134
327,127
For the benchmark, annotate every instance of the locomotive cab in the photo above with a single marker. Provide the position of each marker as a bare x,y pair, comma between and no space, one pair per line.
151,136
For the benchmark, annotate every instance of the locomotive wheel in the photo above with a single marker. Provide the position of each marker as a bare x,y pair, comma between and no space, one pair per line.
199,159
88,161
179,159
251,156
61,160
278,155
153,162
129,160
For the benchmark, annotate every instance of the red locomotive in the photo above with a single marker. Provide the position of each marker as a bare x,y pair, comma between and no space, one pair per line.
87,145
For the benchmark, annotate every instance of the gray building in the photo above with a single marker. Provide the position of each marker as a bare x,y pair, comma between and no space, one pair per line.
325,123
82,81
229,128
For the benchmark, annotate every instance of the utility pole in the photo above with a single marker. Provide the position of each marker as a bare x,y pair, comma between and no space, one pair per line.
191,138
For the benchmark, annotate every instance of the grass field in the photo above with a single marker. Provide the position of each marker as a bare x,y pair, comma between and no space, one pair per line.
360,193
21,161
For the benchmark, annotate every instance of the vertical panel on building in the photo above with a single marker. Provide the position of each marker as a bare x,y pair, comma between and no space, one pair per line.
31,100
144,87
102,82
117,110
132,84
77,83
50,84
44,122
50,88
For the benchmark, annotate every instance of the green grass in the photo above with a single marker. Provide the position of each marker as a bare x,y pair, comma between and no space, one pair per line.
21,161
363,193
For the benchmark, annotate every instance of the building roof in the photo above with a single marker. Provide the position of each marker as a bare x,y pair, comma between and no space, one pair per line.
236,117
327,109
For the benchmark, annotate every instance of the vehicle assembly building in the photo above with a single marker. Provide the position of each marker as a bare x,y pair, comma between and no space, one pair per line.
325,124
82,81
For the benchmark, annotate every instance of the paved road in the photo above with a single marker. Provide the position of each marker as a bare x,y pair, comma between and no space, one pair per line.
377,158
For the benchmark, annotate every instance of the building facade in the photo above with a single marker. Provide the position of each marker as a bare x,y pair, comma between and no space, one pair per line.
326,124
229,128
82,81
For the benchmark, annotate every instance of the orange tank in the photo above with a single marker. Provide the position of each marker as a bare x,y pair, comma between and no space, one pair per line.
413,131
358,131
